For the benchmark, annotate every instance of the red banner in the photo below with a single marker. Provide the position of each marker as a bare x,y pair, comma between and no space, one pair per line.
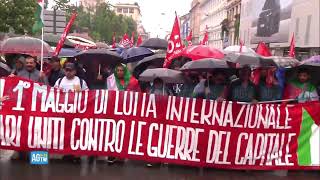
64,35
157,128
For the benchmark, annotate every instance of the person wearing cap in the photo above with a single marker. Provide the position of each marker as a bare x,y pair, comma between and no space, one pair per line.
30,71
242,89
70,81
56,71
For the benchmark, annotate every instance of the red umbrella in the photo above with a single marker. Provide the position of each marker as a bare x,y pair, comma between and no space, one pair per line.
25,45
201,52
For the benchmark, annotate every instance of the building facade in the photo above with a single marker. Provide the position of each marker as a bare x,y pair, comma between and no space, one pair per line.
129,10
213,16
233,27
185,26
195,21
283,19
89,3
142,32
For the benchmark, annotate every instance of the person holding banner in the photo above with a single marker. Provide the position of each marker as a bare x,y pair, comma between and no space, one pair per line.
30,71
217,90
188,86
159,88
242,89
268,86
56,72
70,81
301,88
122,80
19,65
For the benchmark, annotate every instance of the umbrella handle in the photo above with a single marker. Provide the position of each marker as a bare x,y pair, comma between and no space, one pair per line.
99,71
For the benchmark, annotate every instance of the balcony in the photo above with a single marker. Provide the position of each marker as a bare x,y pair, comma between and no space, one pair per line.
231,3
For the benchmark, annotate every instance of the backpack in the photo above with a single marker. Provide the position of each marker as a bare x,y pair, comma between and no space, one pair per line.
60,79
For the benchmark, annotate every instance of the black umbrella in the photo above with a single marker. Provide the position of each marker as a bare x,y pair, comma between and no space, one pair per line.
156,61
205,65
167,75
102,56
283,62
251,59
53,39
135,54
155,43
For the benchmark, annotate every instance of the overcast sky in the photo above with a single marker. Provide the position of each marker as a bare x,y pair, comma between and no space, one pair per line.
158,15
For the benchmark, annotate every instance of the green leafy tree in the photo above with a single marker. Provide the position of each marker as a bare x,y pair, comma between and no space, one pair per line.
17,16
101,21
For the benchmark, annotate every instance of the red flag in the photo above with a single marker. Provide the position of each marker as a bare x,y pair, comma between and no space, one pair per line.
132,39
205,40
263,50
189,39
125,42
292,52
114,40
174,44
241,45
64,35
139,41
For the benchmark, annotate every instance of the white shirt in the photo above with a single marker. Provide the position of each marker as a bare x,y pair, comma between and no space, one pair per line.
67,84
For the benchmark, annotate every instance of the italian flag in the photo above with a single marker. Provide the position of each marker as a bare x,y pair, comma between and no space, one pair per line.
39,23
309,141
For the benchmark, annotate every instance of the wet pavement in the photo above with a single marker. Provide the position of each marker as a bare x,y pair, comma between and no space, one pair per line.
61,170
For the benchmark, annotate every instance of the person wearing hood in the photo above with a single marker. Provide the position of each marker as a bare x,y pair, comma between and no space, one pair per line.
122,80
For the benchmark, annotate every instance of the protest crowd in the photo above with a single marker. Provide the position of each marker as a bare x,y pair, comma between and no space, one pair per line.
237,73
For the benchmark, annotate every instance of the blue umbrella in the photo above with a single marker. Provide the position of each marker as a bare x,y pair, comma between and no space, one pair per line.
68,52
135,54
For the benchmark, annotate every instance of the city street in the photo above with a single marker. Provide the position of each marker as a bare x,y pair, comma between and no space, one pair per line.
158,90
18,170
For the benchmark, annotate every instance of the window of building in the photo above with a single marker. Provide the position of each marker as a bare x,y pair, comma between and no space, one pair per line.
119,10
131,10
125,10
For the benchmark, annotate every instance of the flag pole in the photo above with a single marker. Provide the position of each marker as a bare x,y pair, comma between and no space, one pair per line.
42,42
